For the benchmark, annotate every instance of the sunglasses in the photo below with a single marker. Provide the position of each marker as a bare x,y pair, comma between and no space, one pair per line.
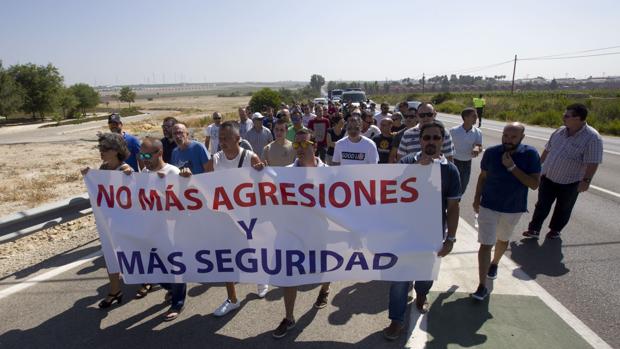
428,138
426,115
303,145
146,156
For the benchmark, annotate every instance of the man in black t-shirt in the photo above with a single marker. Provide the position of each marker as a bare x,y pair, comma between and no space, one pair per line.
384,140
167,141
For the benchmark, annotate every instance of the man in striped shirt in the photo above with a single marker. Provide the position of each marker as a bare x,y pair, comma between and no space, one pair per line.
410,143
570,160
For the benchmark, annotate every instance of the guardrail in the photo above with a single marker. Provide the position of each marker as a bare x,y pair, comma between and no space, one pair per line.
24,223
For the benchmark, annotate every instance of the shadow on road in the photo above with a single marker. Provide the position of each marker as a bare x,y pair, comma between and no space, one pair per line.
457,321
546,259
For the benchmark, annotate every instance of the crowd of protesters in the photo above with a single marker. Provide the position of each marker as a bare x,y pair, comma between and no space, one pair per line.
309,135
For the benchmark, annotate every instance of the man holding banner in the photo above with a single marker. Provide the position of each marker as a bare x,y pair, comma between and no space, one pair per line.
233,156
305,147
431,139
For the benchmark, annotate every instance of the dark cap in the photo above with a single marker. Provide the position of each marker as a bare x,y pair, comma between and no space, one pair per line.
114,117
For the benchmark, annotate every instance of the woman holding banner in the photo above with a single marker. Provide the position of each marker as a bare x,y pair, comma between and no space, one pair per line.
114,152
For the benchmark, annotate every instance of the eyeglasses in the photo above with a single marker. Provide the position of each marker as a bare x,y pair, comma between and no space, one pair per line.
147,156
428,138
217,118
426,115
303,145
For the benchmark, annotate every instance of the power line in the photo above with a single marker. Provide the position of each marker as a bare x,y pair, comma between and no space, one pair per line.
571,53
570,57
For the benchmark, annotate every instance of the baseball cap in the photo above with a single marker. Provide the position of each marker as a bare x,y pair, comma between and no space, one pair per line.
257,116
114,117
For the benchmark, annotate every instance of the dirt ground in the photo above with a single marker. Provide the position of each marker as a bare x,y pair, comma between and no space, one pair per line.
32,174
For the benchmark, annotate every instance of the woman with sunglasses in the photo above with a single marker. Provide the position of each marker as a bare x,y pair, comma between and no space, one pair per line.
114,152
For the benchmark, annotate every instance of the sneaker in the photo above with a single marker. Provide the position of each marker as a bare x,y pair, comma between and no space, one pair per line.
481,293
492,274
552,234
226,308
321,300
393,331
531,234
261,290
283,329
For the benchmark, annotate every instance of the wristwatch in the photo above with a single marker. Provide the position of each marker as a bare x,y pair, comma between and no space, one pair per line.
452,239
511,168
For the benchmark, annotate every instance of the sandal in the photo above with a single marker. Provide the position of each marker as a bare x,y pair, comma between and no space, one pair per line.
143,291
110,299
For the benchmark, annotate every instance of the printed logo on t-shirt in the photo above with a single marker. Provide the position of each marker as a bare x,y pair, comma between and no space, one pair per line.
346,155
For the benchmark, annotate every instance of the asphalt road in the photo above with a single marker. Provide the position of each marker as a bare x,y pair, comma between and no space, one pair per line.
582,274
62,134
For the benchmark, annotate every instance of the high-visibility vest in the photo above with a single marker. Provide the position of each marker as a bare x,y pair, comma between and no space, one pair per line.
478,102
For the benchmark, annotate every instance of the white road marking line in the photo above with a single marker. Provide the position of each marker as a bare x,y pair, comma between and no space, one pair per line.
47,275
603,190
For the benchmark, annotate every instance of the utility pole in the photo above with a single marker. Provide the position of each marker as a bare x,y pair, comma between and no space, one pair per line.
514,69
423,80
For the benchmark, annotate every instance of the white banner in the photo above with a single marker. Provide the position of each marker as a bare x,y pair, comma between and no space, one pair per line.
279,226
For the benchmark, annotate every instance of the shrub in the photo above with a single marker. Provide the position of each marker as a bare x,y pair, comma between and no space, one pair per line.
441,97
264,98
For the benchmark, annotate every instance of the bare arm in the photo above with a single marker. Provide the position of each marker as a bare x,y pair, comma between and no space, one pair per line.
529,180
585,182
544,156
330,143
209,167
481,179
452,216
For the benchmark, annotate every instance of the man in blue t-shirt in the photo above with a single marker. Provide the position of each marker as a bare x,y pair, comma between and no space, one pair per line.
189,156
432,136
507,172
133,143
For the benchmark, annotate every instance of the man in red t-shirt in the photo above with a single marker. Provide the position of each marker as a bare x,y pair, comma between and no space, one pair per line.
319,127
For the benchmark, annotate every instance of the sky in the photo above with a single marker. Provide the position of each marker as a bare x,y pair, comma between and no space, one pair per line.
131,42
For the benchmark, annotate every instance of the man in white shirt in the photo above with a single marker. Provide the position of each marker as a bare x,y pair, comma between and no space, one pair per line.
467,141
369,130
151,153
355,149
385,113
245,124
212,134
307,115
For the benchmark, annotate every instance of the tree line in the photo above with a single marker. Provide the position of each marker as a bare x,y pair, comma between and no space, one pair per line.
39,90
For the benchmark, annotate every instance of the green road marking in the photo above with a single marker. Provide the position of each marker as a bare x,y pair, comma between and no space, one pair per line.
501,321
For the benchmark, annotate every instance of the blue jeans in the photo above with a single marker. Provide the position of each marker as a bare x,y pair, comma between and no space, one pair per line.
464,168
178,292
398,297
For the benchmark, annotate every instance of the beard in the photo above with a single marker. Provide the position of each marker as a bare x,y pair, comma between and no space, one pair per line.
510,147
430,149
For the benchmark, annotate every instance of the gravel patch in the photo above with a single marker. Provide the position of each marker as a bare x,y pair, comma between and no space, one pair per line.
32,249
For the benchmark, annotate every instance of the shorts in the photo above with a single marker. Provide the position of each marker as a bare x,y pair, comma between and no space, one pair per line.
493,225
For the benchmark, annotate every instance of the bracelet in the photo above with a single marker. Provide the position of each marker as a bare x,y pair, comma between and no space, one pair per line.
512,168
587,180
